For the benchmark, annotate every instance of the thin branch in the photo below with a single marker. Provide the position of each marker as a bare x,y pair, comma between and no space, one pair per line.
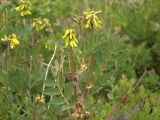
61,92
50,104
49,64
144,73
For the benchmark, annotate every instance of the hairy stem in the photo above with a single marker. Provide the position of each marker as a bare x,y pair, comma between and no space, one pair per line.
72,69
35,112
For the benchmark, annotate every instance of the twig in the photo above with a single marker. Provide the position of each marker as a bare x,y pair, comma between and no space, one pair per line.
35,112
144,73
61,92
72,71
49,64
50,104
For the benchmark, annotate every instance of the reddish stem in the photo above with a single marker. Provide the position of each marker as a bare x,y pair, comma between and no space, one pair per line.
72,69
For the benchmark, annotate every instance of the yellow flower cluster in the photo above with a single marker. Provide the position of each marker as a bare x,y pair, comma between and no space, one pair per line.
11,40
79,19
39,99
70,38
40,24
24,7
92,20
48,46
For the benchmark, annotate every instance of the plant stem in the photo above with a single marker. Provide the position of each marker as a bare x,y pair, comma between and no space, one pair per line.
61,92
30,70
35,112
49,64
90,56
80,30
72,70
139,80
90,62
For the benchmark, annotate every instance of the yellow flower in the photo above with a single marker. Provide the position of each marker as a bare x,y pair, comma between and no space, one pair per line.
14,41
70,38
11,40
37,98
92,20
5,38
48,46
24,7
40,24
40,99
79,19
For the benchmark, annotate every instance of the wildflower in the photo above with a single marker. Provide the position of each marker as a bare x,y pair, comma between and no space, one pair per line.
48,46
79,19
117,29
40,24
39,99
70,38
24,7
42,100
124,100
11,40
92,20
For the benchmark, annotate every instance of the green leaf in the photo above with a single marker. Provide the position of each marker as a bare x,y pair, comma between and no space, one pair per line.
51,91
50,83
68,90
57,101
66,107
